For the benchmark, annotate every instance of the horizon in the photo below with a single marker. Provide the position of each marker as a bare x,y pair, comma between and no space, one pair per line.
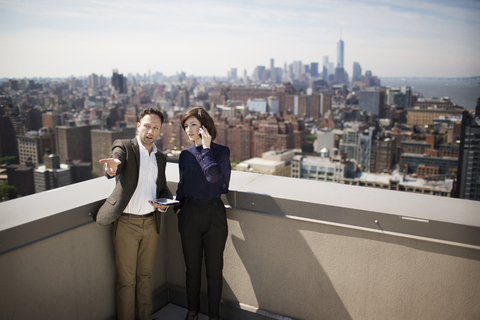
85,77
425,39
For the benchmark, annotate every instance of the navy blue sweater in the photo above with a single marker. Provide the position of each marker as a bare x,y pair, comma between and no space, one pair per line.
204,173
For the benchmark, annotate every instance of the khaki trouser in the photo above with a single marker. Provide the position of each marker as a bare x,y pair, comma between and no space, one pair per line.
135,241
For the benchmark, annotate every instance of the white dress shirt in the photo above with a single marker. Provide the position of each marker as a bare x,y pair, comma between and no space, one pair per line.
147,183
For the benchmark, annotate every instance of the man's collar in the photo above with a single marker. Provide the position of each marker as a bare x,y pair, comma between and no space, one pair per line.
142,147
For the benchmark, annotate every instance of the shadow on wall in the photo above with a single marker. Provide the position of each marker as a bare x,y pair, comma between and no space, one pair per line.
285,274
308,270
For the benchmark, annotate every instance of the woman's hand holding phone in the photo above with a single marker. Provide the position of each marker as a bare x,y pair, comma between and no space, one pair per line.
206,137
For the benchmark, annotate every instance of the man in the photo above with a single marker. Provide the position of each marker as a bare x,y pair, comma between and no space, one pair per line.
139,170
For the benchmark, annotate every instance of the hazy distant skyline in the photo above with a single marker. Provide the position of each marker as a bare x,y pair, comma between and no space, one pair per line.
204,38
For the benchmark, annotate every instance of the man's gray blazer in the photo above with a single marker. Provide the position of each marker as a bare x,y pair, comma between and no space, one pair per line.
127,151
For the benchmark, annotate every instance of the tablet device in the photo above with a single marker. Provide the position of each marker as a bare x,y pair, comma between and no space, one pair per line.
166,201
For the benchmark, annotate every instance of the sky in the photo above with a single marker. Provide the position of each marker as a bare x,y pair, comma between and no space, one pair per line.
391,38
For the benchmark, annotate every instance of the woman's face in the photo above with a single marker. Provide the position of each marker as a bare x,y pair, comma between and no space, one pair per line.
191,127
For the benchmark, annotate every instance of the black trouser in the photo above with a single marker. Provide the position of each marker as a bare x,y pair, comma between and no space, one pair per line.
203,227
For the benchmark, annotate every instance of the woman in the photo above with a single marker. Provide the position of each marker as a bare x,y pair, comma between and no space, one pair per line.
204,177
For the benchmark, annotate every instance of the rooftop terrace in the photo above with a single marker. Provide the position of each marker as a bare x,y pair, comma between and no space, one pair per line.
297,249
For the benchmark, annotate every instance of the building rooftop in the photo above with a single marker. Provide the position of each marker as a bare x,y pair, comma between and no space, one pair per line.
407,181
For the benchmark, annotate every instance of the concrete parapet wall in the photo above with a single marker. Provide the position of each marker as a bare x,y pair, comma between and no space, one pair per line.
299,249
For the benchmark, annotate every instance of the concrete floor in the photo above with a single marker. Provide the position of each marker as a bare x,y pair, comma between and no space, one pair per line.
174,312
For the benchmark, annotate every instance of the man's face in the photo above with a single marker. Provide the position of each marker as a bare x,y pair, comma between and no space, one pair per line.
149,128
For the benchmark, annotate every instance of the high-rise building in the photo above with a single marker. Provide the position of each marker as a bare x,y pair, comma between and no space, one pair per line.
371,80
102,144
325,61
383,155
297,68
173,134
312,105
79,171
93,81
232,74
331,68
340,77
74,142
182,99
276,75
400,97
21,177
33,144
51,175
102,81
257,105
340,54
325,73
258,73
240,140
328,68
314,69
372,102
357,146
357,72
8,138
365,146
349,145
273,104
325,103
33,119
469,160
268,137
119,82
52,120
407,91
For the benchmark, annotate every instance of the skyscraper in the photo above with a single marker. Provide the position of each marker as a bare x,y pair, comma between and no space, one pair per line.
297,68
325,61
258,73
357,72
119,82
469,160
232,74
314,69
340,54
340,77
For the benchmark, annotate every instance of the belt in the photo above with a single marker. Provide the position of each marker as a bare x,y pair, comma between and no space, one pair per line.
139,215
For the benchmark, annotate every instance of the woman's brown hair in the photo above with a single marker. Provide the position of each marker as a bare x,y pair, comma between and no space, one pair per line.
203,117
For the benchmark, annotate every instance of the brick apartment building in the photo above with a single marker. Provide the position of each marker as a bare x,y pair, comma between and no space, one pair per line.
246,139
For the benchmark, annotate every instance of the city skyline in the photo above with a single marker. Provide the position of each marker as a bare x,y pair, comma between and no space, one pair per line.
61,39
